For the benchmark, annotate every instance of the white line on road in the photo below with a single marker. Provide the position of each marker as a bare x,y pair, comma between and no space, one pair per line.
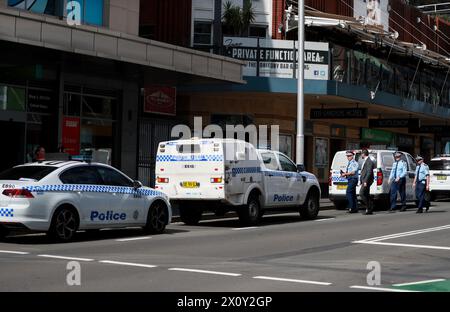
403,245
133,239
245,228
421,282
382,289
204,271
324,219
291,280
128,264
14,252
65,258
392,236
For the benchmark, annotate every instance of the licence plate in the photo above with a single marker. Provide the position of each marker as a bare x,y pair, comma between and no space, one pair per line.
190,184
341,187
442,178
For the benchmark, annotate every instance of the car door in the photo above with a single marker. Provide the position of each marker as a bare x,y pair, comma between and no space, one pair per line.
293,185
412,166
91,202
127,204
273,178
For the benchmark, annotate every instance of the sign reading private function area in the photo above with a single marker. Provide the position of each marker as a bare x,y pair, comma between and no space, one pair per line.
338,113
160,100
278,58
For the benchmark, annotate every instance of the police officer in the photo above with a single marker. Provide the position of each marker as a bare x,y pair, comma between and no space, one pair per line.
397,179
421,183
351,174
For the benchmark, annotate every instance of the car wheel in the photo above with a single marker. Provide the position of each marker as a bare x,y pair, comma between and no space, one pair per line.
250,213
190,215
310,209
64,224
157,218
3,232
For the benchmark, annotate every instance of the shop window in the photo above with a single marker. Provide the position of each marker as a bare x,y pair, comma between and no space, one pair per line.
286,144
97,138
12,98
98,107
257,31
202,35
72,104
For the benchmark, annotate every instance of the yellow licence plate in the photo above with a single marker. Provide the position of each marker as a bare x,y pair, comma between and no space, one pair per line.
442,178
190,184
341,187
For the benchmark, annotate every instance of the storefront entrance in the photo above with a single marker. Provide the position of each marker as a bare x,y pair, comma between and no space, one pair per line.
13,144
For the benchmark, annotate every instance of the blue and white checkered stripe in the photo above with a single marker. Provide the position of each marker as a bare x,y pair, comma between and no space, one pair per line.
92,189
173,158
245,170
6,212
338,179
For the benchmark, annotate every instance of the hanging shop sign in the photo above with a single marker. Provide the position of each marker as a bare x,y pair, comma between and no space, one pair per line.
338,113
71,135
160,100
430,129
278,58
375,135
394,123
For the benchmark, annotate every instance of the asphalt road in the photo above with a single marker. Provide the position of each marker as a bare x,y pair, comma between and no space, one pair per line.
283,254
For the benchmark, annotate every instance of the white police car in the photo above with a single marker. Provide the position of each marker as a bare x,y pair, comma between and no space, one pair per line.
61,197
440,176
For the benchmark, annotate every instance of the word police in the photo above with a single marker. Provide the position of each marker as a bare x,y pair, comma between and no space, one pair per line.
283,198
108,216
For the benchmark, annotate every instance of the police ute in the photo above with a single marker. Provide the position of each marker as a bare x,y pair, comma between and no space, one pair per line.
220,175
62,197
440,176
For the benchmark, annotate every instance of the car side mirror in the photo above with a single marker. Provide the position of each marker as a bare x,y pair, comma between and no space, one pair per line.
137,184
301,168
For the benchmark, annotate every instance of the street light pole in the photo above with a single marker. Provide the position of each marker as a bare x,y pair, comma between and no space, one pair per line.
300,140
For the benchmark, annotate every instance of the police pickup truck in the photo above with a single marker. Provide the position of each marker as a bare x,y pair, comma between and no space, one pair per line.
220,175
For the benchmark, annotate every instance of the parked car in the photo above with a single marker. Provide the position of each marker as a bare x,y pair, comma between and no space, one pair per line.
439,176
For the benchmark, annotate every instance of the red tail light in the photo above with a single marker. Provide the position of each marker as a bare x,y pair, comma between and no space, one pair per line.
216,180
18,193
330,178
162,180
379,177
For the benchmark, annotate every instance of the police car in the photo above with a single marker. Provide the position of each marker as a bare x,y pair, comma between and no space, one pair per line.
61,197
227,174
440,176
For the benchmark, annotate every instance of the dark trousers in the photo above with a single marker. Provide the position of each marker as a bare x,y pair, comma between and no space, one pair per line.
351,194
364,193
400,187
420,195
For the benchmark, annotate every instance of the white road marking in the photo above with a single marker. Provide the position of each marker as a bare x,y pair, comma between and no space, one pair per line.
245,228
324,219
133,239
421,282
204,271
403,234
404,245
14,252
292,280
65,258
128,264
381,289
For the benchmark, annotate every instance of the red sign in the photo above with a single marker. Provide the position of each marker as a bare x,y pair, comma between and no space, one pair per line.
71,135
160,100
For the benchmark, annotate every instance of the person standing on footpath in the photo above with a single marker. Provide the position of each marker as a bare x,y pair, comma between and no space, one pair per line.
366,179
397,180
421,183
351,174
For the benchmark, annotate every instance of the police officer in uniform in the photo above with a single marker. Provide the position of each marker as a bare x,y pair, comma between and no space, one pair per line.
397,179
421,183
351,174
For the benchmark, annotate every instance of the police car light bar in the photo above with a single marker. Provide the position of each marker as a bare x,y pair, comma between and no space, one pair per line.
86,158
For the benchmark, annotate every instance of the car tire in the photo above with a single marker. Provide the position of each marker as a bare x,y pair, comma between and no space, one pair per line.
250,214
310,209
340,205
157,218
190,215
3,232
65,223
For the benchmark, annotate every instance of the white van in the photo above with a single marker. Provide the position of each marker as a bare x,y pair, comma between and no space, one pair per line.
439,176
228,174
380,189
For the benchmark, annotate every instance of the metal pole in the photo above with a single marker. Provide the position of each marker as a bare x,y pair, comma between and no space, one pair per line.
300,140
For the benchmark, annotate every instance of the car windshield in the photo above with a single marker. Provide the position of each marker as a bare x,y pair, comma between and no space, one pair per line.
34,173
439,165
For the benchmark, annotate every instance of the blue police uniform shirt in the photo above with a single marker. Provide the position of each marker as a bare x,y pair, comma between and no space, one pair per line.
352,166
422,172
399,170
